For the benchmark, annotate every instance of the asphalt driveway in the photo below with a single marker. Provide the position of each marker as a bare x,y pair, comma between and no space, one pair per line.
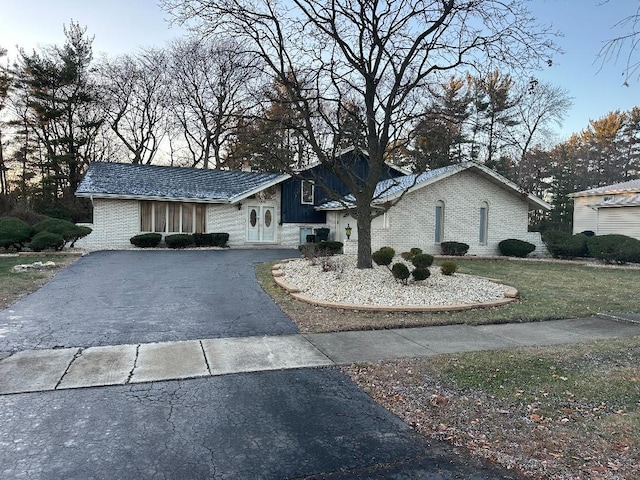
117,297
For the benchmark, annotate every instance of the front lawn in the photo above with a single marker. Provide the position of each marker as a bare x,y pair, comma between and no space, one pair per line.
548,290
13,286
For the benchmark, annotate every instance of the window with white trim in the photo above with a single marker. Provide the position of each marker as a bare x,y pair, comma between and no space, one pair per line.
172,217
484,223
307,192
439,222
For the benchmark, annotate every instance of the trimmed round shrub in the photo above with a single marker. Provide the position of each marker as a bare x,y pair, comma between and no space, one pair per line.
614,248
457,249
384,256
400,272
448,268
68,230
588,233
422,260
411,253
46,241
179,240
331,247
564,245
420,274
513,247
146,240
203,239
13,232
220,239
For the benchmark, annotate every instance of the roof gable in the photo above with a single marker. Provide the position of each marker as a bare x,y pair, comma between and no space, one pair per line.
388,190
121,180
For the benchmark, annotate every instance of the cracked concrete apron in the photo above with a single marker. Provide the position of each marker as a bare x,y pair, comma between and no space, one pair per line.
129,297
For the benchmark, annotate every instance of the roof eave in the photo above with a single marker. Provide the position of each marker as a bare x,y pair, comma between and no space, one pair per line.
118,196
253,191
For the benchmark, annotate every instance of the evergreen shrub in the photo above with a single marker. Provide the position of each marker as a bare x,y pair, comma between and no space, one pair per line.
420,274
46,241
203,239
422,260
448,268
13,233
400,272
513,247
384,256
179,240
614,248
146,240
457,249
220,239
564,245
66,229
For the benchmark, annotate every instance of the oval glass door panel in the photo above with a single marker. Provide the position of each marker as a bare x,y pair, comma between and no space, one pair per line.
267,218
253,217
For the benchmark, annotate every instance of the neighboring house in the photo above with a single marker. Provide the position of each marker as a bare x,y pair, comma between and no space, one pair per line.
465,202
609,209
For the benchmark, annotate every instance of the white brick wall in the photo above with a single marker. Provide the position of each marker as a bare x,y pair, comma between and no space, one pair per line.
114,223
411,223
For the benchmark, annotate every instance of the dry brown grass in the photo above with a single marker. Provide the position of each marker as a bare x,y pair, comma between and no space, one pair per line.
14,286
562,412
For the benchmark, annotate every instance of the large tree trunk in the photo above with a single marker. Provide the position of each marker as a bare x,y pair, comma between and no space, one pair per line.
364,236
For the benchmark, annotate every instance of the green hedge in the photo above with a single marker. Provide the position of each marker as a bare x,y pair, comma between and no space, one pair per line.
564,245
46,241
13,233
179,240
512,247
146,240
614,248
318,249
66,229
457,249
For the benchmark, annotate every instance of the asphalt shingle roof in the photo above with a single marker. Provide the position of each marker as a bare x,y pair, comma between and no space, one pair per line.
394,186
629,186
129,180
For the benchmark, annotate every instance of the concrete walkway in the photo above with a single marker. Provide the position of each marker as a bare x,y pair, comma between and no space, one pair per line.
67,368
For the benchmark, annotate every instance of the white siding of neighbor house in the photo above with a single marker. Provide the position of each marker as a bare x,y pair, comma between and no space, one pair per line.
411,223
621,220
585,217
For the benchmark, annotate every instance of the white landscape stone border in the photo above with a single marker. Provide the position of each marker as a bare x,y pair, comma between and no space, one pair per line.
511,295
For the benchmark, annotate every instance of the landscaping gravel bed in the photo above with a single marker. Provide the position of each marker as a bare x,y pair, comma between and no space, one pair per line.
336,279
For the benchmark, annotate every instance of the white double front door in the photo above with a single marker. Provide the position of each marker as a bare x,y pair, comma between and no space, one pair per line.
261,223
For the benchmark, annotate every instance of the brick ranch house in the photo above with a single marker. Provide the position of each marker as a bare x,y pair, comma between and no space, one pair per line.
466,202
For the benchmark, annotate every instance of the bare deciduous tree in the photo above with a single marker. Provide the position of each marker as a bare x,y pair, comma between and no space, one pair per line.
210,85
135,92
379,54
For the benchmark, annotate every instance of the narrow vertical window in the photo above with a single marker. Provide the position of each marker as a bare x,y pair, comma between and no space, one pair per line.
439,221
484,223
307,192
160,221
146,216
201,225
187,217
174,217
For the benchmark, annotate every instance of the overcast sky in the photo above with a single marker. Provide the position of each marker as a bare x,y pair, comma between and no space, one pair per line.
122,26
